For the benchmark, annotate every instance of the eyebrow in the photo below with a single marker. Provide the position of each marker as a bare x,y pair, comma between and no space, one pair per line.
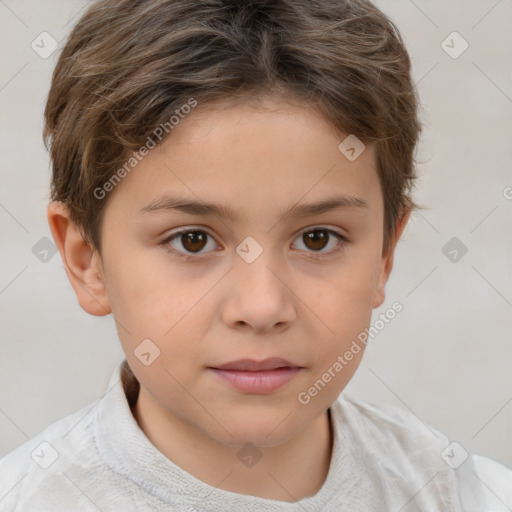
172,204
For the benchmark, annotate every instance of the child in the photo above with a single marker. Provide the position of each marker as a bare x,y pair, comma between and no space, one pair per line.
277,136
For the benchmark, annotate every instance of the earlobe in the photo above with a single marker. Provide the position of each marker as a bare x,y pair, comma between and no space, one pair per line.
387,262
81,263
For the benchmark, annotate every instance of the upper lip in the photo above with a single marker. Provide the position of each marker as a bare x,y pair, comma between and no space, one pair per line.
252,365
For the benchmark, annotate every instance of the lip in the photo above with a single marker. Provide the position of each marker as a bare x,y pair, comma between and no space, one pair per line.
252,365
257,377
257,382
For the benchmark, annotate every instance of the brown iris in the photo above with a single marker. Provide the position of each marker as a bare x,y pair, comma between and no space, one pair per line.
314,240
194,241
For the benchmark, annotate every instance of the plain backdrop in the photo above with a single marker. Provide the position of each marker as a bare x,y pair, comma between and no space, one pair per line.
446,357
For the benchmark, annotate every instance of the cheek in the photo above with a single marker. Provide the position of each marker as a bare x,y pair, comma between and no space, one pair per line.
344,308
172,312
148,294
347,298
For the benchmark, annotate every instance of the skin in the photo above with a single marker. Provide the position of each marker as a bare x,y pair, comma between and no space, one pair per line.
215,307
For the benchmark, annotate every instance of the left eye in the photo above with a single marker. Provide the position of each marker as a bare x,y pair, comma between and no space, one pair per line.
319,238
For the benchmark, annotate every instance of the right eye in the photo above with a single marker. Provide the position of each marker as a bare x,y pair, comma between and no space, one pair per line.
187,242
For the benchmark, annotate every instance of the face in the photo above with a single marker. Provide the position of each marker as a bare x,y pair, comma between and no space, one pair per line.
259,277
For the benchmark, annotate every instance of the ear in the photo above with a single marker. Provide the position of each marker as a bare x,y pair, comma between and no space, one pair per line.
81,262
387,261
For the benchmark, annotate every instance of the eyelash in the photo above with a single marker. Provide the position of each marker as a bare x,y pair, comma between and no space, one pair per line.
195,256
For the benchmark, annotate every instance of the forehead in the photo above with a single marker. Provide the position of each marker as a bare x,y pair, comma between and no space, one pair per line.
251,157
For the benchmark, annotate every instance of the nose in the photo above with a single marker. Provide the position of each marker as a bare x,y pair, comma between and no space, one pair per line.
258,297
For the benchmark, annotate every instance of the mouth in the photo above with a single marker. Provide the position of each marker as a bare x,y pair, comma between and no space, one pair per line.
257,377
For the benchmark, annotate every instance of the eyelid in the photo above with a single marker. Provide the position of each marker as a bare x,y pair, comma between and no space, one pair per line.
187,229
327,227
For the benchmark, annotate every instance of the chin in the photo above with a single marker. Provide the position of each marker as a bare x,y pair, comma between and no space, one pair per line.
249,428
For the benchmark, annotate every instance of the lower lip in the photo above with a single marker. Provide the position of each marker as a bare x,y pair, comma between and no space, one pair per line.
258,382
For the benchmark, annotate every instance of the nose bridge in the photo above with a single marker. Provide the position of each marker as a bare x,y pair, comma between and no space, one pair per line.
257,294
255,264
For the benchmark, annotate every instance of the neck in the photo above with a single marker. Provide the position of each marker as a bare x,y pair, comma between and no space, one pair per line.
287,472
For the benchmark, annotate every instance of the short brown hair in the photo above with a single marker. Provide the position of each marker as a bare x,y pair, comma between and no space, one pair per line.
128,65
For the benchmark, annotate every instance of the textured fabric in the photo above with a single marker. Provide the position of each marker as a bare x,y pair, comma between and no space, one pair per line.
384,459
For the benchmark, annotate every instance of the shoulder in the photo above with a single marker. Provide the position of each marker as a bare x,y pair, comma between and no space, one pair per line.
404,444
490,470
39,466
390,423
495,480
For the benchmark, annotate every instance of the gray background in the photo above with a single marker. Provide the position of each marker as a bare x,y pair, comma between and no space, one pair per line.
447,356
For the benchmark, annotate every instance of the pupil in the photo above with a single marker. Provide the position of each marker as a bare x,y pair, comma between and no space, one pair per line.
189,239
315,241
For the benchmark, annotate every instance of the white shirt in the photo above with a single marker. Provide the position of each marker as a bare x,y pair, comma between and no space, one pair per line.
384,459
